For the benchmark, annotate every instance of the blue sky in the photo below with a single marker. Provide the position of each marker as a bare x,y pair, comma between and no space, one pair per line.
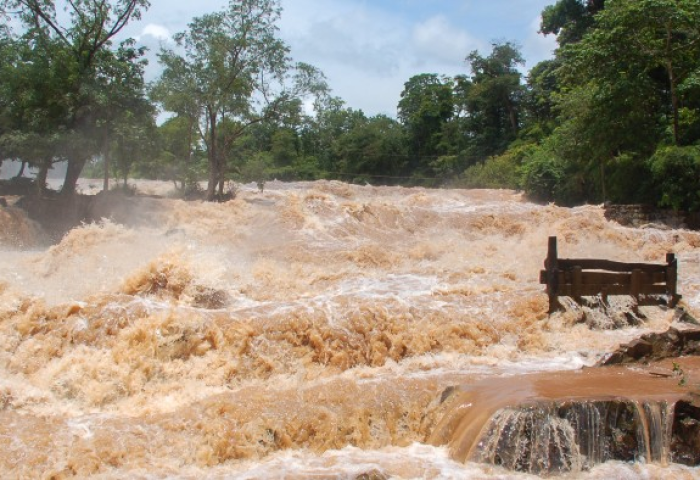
369,49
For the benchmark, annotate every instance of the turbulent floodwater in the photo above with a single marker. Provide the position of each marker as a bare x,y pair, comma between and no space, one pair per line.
305,332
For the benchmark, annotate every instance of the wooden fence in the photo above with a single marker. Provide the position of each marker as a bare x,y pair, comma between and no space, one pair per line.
577,278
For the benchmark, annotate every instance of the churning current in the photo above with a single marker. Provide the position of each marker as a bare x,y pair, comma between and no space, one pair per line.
313,330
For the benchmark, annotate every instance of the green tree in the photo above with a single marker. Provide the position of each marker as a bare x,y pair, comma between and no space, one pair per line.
651,46
570,19
676,171
76,56
426,105
495,96
233,67
624,85
178,157
125,116
134,141
373,150
319,134
539,100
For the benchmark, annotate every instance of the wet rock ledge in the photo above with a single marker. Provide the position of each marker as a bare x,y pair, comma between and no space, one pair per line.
652,347
639,404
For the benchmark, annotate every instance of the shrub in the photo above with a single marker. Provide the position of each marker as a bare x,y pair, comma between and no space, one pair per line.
543,175
675,172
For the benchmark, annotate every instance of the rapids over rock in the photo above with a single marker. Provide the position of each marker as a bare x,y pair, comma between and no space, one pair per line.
324,330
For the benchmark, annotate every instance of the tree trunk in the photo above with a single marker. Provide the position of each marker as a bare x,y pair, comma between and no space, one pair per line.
674,104
602,181
185,175
222,177
107,159
212,155
21,169
75,167
672,82
512,116
212,182
41,176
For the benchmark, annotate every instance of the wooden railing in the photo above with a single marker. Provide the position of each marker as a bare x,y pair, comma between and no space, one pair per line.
577,278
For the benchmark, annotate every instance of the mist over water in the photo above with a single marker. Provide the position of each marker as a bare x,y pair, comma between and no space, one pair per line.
305,332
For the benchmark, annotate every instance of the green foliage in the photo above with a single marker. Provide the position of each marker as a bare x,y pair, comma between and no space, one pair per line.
257,169
426,105
373,150
492,99
675,171
539,101
232,72
308,168
65,79
614,116
283,147
570,19
637,57
502,171
543,176
630,180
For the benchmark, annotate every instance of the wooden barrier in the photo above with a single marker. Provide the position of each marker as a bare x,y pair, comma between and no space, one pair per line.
577,278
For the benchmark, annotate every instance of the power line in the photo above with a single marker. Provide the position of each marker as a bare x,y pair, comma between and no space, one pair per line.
394,177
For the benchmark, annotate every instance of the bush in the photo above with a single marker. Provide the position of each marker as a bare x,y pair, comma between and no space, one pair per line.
502,171
543,175
496,172
675,172
629,180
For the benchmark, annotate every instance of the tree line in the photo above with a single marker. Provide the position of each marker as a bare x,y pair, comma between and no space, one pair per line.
614,116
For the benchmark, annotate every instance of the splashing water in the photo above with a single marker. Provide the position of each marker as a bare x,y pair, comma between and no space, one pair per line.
316,325
572,436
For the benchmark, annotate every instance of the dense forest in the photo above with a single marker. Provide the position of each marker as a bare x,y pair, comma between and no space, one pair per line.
614,116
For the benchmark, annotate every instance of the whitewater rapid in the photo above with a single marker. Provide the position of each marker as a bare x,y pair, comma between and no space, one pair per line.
308,331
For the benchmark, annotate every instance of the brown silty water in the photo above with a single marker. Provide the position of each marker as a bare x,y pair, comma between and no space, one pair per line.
319,330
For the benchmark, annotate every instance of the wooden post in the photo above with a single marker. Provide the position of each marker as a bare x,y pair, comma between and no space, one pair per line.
551,264
636,284
672,279
577,279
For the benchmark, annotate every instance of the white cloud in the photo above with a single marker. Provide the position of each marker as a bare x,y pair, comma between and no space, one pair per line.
369,49
156,31
351,34
538,47
442,42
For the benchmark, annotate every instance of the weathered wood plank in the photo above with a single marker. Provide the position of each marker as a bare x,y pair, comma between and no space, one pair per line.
577,278
612,266
592,290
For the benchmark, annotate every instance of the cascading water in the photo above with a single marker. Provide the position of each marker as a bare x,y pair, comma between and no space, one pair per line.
311,331
569,436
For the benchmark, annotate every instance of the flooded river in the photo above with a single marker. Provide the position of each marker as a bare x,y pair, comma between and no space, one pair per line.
313,330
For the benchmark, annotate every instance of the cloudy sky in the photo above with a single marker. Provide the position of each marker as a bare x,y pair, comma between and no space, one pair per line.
368,49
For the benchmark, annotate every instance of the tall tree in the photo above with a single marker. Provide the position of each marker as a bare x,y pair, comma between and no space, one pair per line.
235,68
493,99
321,132
80,49
426,105
651,46
374,149
570,19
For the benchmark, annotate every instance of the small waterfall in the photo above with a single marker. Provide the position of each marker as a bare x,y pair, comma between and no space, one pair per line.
658,424
531,439
571,436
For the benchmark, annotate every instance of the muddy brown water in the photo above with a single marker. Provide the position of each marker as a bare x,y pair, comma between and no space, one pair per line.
311,331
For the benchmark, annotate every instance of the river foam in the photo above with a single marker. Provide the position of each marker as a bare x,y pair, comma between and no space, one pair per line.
310,329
